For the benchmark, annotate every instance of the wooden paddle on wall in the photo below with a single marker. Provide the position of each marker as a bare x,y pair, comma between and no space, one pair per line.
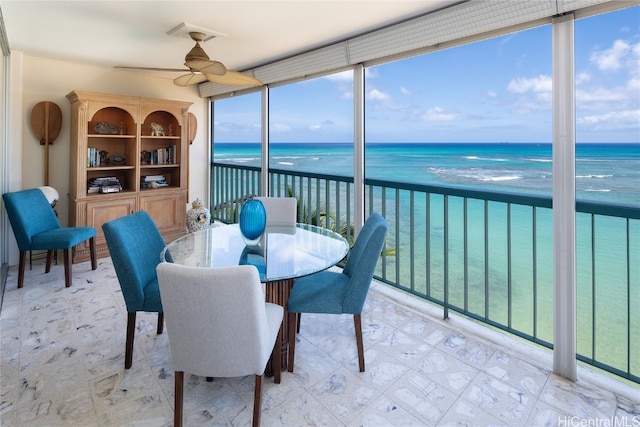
46,121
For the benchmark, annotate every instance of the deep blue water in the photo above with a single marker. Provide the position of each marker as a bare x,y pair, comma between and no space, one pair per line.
604,172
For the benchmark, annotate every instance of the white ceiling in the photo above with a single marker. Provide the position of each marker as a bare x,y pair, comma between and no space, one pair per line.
134,33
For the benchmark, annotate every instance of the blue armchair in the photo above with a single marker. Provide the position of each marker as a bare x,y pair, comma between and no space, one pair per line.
340,292
135,244
36,227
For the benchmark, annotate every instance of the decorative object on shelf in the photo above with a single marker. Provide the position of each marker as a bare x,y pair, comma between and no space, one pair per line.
104,158
198,217
103,128
157,130
253,220
46,120
118,159
145,157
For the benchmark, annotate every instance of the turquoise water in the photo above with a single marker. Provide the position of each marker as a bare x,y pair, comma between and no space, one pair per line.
608,173
604,172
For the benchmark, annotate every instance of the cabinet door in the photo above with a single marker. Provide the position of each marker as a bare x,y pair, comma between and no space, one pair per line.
94,213
99,212
168,210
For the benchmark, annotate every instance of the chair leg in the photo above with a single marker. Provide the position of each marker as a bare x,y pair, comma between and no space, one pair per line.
292,340
276,357
160,323
67,267
178,399
47,268
357,322
257,401
131,330
21,265
92,249
299,320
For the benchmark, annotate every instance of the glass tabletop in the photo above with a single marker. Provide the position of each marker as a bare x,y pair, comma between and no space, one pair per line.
282,254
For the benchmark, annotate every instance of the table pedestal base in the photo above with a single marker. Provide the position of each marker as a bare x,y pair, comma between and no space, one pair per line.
278,293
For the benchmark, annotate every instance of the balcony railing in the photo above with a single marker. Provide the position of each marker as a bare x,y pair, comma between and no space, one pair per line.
484,254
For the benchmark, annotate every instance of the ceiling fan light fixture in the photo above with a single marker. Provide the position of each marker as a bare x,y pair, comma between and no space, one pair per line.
196,54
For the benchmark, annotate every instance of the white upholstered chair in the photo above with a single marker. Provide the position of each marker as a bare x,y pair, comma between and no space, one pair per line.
282,213
219,325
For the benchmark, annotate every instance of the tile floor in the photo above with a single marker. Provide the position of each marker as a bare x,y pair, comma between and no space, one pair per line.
63,355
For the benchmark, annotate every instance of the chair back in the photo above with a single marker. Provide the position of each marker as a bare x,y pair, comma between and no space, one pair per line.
282,213
216,319
30,214
135,245
362,260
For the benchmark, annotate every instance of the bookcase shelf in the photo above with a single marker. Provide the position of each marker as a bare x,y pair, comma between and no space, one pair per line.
110,135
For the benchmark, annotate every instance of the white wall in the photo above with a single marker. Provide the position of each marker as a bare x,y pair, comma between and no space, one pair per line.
36,79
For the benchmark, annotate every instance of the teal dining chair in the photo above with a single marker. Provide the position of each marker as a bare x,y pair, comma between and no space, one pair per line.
335,292
36,227
135,245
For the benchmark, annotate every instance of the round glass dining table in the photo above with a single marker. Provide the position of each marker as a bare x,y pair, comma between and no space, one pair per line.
282,255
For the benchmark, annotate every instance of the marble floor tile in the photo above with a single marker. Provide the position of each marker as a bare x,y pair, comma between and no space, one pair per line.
62,364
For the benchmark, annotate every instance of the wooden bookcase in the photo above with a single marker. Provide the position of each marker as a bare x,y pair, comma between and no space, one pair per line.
112,137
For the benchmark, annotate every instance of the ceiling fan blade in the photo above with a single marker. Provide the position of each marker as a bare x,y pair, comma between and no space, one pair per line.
190,79
207,66
233,78
123,67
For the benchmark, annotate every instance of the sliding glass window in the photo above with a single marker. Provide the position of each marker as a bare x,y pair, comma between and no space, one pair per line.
236,153
311,148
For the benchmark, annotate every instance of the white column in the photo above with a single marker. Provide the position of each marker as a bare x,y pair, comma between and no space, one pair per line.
358,147
264,180
564,199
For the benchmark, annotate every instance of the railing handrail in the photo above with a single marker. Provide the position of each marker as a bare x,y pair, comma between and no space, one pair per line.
619,210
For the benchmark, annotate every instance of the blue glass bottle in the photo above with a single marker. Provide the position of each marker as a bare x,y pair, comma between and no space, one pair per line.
253,220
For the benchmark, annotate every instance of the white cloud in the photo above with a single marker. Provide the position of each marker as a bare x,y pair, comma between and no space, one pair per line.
376,95
405,91
343,76
541,83
611,59
437,114
611,120
280,127
492,94
583,77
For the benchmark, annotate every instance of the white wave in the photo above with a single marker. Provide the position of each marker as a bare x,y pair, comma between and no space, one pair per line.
539,160
594,176
488,159
605,190
286,163
242,159
501,178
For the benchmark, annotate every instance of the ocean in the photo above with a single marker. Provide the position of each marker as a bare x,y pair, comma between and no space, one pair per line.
607,173
604,172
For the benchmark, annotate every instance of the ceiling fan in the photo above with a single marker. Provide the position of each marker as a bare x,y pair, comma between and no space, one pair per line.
201,69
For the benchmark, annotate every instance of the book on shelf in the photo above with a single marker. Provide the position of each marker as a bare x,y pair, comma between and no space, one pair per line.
106,184
93,157
154,181
163,156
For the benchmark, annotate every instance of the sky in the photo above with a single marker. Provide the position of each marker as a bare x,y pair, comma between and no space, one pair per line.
496,90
